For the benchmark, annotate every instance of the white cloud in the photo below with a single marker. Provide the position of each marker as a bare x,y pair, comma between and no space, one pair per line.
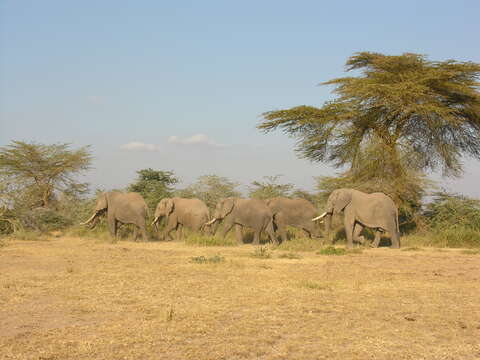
197,139
137,145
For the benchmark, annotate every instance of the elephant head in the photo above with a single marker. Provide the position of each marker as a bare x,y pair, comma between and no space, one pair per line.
223,208
337,201
101,207
164,208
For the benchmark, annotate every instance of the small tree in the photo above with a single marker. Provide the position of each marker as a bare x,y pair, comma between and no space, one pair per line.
154,185
35,172
210,189
269,188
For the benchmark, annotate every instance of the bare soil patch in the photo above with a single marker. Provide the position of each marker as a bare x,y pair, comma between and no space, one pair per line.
72,298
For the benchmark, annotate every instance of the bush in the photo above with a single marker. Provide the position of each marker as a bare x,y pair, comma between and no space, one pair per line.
454,220
45,219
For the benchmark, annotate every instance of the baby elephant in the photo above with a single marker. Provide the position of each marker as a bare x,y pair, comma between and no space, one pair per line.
180,212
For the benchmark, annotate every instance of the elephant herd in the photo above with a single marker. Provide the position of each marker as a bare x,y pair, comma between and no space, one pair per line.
376,211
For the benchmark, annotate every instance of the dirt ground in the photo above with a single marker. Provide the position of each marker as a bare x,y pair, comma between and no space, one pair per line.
74,298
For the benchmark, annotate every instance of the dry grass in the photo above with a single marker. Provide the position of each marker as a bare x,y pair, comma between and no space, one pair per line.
72,298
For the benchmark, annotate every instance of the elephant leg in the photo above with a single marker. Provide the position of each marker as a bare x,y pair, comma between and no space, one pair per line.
227,226
179,232
356,233
239,233
172,224
112,226
395,236
271,232
378,236
143,231
282,231
256,237
349,223
135,233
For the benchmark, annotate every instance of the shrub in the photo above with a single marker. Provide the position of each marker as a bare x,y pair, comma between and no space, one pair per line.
454,220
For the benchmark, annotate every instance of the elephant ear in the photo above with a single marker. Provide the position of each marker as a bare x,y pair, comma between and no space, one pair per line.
102,202
343,198
227,207
169,206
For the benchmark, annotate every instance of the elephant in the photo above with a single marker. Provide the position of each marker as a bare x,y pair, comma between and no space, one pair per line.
375,210
252,213
180,212
293,212
121,208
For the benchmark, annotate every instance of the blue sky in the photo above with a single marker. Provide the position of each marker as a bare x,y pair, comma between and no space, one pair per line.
181,85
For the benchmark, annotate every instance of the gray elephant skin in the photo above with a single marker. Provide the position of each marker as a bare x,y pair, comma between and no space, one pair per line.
375,210
293,212
241,213
121,208
179,213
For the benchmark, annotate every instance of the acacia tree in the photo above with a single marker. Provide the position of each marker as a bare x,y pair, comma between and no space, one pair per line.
37,171
269,188
211,189
400,117
154,185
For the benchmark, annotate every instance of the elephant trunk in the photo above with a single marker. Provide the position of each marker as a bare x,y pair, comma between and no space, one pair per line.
328,225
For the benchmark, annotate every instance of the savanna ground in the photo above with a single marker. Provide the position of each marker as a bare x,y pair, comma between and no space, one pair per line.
82,298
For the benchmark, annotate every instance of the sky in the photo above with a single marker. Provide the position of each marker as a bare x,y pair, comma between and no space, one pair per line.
181,85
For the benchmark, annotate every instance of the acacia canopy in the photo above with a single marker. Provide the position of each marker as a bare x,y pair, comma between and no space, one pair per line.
41,169
420,115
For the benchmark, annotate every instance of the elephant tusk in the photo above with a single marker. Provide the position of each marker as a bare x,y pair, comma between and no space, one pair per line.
155,220
89,220
211,221
320,217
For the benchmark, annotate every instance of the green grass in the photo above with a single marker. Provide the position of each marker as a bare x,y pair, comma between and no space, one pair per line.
443,238
215,259
331,250
204,240
29,235
471,251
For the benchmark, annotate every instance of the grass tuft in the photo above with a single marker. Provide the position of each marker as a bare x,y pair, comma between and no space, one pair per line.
215,259
312,285
471,251
331,250
262,252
